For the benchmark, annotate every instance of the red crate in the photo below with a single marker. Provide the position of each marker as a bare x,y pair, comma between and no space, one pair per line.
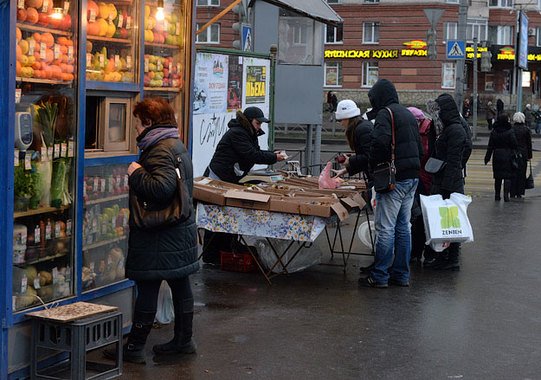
237,262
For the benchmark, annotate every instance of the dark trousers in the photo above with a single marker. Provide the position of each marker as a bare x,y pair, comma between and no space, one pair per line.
498,187
147,295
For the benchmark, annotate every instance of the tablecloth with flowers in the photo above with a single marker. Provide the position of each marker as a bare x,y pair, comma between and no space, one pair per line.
260,223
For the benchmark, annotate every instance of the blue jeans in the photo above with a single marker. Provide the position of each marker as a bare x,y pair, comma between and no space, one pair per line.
393,229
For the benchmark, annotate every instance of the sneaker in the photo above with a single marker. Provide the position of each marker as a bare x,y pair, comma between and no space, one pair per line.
366,269
395,282
369,282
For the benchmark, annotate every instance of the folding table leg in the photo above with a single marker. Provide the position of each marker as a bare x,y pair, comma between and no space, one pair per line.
254,256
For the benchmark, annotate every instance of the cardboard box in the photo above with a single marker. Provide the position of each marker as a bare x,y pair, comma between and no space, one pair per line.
247,199
212,191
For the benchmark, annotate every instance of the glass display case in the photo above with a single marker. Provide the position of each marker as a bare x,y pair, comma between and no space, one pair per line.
105,225
111,40
45,131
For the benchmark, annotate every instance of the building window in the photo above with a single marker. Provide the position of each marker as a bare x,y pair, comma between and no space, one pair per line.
208,3
334,35
477,28
500,3
296,40
370,73
538,36
451,31
371,1
333,74
448,75
504,35
211,35
370,32
489,82
452,1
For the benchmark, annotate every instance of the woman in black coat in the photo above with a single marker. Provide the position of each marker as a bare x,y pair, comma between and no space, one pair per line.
162,253
524,141
502,144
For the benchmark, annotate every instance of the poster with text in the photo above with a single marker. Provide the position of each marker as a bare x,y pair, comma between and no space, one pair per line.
256,83
234,88
210,83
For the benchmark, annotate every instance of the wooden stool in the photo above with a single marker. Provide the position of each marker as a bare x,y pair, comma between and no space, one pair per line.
68,333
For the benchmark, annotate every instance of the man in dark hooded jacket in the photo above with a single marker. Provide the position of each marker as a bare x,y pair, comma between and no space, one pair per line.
452,148
393,208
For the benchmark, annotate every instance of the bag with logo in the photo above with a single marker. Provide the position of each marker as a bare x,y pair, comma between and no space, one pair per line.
446,220
384,173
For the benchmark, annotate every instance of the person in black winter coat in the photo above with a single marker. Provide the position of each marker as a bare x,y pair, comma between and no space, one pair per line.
502,145
237,152
524,141
165,253
450,147
393,208
358,135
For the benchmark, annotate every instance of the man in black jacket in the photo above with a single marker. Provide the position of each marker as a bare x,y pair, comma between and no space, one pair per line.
237,152
393,208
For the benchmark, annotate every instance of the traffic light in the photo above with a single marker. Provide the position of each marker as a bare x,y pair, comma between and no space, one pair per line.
431,44
486,61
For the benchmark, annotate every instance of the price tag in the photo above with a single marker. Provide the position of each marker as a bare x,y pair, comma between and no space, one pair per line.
71,148
113,222
55,275
178,68
18,94
126,181
24,284
42,50
117,61
50,152
57,230
31,46
120,22
102,185
95,184
146,64
16,157
45,7
128,22
63,150
159,66
177,32
56,51
20,4
66,7
88,59
70,53
44,154
56,151
92,15
68,227
28,162
102,60
36,282
48,231
37,234
128,62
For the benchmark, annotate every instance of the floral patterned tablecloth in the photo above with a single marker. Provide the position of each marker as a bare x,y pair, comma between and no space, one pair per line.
259,223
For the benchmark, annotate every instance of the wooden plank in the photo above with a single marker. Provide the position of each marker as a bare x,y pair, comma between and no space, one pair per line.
72,312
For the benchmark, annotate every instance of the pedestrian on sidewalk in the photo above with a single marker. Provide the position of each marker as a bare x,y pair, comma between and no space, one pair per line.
490,115
450,147
502,145
528,116
393,208
524,142
161,253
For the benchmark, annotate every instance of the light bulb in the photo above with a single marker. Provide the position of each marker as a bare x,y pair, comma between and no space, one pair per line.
159,11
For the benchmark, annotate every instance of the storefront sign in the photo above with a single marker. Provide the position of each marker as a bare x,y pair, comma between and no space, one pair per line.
375,54
470,51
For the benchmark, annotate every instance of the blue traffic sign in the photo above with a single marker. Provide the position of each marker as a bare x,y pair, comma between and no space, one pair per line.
456,49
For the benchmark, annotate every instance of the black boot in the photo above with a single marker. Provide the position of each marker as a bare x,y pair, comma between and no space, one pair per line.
506,189
182,342
452,263
134,349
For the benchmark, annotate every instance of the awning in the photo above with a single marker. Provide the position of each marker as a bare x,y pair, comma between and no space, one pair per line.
318,10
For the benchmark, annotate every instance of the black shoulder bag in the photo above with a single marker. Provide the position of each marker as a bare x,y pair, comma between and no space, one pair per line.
384,173
148,217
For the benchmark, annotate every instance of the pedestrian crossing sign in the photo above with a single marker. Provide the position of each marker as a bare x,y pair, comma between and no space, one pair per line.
456,49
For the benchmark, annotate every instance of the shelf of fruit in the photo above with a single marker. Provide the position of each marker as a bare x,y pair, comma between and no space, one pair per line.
36,28
41,260
43,81
101,243
162,89
164,46
109,39
106,199
38,211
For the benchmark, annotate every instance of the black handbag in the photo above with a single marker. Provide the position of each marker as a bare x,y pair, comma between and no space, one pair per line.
433,165
516,157
147,216
384,174
529,180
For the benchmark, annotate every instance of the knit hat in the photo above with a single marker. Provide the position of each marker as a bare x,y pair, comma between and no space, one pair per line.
346,109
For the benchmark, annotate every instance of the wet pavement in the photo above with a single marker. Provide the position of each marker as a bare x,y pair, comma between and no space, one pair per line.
483,322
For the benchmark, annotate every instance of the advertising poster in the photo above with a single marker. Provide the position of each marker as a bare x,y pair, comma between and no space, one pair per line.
244,83
210,83
234,89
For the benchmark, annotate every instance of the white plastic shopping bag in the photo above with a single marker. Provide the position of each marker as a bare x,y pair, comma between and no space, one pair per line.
165,313
446,220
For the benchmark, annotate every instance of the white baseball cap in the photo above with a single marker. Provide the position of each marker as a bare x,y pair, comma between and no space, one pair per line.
346,109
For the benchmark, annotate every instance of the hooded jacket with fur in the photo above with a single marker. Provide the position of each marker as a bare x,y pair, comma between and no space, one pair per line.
238,151
408,148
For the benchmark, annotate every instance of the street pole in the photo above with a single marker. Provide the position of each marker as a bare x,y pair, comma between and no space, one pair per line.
462,25
518,69
474,127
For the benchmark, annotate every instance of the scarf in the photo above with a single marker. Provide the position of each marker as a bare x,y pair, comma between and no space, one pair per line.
154,134
433,109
